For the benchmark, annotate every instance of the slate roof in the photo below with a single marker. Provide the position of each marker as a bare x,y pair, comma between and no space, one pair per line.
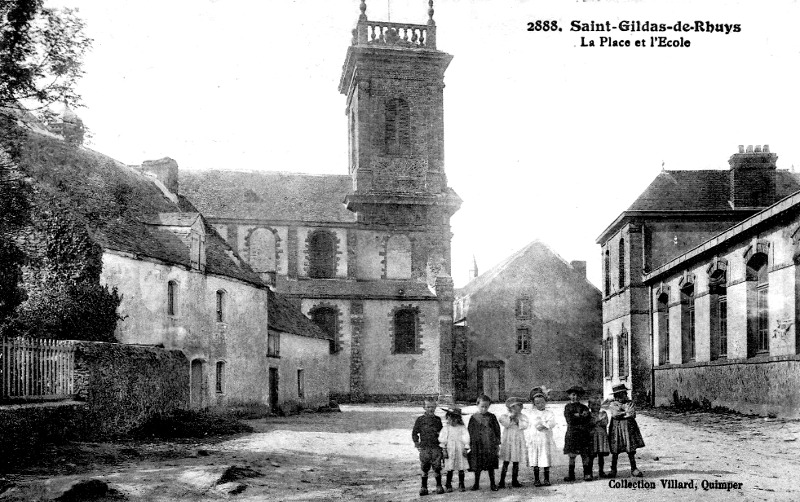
487,277
119,203
705,190
268,195
286,317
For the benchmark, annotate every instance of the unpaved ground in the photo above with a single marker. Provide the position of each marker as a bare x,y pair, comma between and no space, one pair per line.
366,453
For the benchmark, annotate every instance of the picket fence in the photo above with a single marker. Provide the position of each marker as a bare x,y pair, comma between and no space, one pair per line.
35,369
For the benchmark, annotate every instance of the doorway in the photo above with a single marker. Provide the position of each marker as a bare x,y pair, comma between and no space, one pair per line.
273,390
491,379
197,384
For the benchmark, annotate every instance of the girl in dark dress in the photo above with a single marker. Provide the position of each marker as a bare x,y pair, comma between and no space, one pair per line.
484,442
578,437
623,434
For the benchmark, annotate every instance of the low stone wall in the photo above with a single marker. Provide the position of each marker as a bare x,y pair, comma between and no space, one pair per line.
117,388
761,386
124,385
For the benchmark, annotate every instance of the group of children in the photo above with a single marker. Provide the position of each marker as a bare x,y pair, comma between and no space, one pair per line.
480,446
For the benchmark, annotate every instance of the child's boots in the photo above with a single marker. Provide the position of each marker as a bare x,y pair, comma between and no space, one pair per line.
477,484
503,472
612,473
492,485
600,473
636,473
546,481
461,486
448,485
424,488
439,489
587,469
536,481
571,475
515,475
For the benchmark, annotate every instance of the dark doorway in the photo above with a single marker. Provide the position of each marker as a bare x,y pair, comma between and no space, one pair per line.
273,389
197,384
492,379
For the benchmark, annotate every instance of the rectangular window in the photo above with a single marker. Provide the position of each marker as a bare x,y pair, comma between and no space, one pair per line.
523,308
171,287
273,344
723,326
301,384
220,302
691,338
524,340
220,377
622,354
763,320
608,355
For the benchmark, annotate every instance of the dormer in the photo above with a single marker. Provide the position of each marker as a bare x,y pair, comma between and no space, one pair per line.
190,228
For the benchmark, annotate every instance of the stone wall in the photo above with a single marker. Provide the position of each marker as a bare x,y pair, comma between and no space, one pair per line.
765,387
311,356
117,388
125,385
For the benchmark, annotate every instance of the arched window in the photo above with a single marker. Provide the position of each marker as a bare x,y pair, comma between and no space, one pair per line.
397,127
687,323
220,306
662,314
622,354
327,318
621,263
262,250
757,305
398,257
405,331
172,298
321,255
719,314
607,282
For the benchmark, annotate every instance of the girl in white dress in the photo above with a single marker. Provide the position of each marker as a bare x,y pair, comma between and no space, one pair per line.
540,439
512,444
454,440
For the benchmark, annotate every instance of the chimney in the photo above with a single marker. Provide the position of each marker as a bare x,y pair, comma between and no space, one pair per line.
580,267
752,177
166,170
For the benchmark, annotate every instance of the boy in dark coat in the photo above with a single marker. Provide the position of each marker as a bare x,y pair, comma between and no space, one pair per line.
484,441
426,439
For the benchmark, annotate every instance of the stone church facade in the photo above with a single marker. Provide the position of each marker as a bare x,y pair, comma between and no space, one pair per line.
680,211
366,255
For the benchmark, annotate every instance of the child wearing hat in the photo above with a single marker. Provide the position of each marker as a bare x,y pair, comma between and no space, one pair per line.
623,434
484,441
512,444
540,437
454,440
577,438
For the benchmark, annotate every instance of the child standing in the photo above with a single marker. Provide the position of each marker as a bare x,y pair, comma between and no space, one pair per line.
426,439
540,438
454,440
624,434
484,441
512,445
598,446
577,438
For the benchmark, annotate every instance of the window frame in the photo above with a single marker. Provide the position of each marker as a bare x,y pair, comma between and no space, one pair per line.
413,335
220,305
273,344
301,383
524,340
172,298
219,381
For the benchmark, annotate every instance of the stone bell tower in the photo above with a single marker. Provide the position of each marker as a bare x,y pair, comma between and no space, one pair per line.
393,78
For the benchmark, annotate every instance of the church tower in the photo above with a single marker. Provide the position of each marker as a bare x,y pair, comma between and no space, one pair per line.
393,78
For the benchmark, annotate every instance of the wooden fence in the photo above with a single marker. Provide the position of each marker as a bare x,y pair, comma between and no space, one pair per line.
34,369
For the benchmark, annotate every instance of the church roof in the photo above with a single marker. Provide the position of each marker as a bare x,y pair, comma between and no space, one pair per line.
119,204
536,248
268,195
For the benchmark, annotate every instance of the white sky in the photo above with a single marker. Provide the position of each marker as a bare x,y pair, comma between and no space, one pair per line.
543,139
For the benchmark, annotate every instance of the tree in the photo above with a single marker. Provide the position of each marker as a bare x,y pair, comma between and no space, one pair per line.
49,265
41,54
